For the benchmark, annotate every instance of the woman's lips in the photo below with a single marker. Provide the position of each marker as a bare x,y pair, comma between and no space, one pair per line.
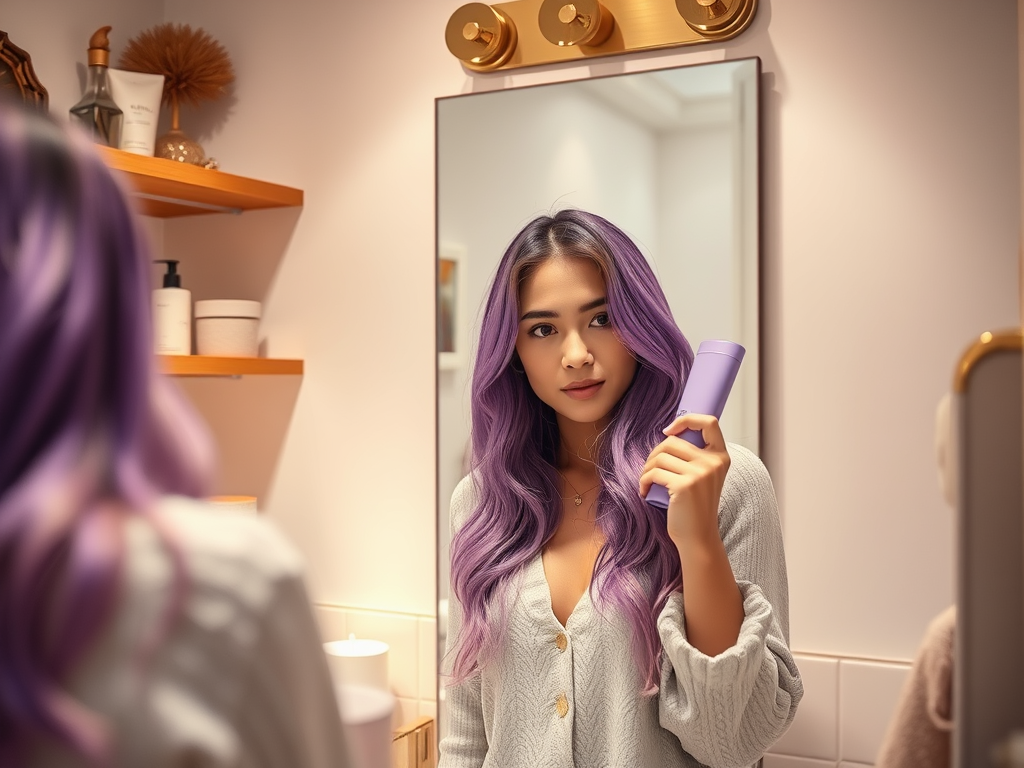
585,392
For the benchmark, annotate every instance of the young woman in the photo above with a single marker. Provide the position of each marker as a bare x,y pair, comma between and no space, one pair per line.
588,628
137,626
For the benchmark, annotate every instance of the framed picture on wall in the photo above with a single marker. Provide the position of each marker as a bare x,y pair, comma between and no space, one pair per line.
451,294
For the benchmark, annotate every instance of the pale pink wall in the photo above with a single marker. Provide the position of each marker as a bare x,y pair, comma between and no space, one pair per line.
891,194
56,33
891,208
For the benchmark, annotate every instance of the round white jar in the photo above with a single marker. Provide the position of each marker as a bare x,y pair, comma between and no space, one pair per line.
227,327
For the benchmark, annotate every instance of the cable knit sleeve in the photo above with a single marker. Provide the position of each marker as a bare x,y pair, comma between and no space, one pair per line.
728,709
464,743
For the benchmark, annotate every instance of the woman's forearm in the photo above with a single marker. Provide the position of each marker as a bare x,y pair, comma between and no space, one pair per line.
712,603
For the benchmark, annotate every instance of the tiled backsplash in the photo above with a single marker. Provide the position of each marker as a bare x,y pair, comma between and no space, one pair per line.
785,761
412,656
842,719
815,730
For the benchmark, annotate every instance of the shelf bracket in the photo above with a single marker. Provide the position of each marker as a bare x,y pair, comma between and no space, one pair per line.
188,203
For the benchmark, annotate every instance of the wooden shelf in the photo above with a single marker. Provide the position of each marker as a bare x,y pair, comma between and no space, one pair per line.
206,365
167,189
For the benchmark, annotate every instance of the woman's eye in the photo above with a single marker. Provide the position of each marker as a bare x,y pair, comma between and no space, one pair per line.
542,331
601,320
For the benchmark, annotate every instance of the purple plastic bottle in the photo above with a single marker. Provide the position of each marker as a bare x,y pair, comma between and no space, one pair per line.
707,388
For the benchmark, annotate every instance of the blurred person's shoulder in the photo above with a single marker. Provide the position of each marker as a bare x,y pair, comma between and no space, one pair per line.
208,531
238,552
232,610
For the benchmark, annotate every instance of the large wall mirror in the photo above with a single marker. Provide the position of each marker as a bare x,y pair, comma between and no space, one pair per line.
670,156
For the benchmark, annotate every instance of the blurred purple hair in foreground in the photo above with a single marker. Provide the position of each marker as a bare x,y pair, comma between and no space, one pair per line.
90,433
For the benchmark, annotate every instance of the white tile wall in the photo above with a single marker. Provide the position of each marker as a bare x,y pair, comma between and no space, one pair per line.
868,692
332,623
844,714
402,634
815,729
785,761
412,665
406,710
428,659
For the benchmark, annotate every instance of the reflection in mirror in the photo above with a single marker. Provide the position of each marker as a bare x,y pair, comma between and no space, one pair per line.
670,156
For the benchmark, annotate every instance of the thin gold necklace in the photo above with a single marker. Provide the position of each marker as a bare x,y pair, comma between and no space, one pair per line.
578,498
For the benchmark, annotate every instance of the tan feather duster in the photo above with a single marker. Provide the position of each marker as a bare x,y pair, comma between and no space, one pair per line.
195,67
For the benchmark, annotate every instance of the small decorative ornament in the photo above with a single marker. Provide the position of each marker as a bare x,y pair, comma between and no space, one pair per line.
196,68
175,145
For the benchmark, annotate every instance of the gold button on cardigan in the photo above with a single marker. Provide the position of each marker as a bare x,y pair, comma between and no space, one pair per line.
562,705
561,641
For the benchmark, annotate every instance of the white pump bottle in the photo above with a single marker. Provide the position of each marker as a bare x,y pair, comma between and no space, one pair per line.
172,314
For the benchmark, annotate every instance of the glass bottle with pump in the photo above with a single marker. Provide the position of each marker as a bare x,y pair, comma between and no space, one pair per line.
97,110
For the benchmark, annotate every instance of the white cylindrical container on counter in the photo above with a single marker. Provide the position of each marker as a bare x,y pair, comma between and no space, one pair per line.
366,719
359,661
359,669
244,504
227,327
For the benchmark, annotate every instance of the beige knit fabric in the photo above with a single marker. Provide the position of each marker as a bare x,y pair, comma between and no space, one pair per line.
536,705
239,681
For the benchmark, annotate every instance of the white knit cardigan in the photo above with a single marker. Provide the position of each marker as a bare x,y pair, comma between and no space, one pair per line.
570,696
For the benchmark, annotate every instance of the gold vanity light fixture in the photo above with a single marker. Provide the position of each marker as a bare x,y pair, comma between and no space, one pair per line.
580,22
481,37
715,19
525,33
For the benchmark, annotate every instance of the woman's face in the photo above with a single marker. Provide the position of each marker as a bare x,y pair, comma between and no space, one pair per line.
572,356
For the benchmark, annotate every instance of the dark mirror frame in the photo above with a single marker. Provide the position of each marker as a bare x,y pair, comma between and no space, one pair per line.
445,357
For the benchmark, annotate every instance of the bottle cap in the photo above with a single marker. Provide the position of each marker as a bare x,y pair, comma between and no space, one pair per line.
99,48
171,279
714,346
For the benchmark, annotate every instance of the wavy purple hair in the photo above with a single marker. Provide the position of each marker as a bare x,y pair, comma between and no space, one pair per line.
515,445
92,434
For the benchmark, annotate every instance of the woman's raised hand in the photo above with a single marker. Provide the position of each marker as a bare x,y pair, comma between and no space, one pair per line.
693,477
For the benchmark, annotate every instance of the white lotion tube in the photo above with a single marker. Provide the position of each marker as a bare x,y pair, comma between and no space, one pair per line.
138,96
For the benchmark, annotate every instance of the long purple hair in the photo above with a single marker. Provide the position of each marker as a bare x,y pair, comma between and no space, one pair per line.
515,446
91,433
